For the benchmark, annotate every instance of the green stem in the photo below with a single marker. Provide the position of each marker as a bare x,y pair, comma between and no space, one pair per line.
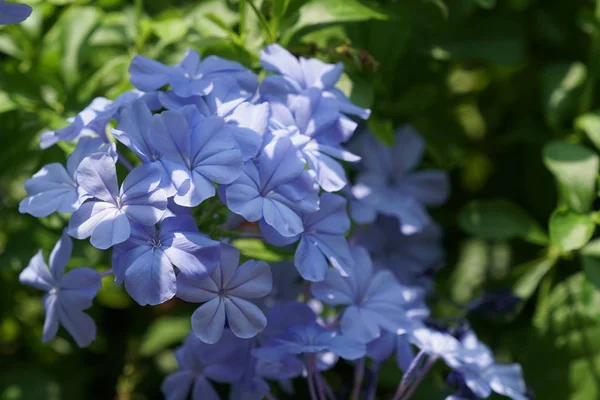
242,30
593,67
263,22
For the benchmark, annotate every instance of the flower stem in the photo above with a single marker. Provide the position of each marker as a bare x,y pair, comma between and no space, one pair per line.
372,388
422,374
309,361
328,391
124,162
359,374
411,371
106,273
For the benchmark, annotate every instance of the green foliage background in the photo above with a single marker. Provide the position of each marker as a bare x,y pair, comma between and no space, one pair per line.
505,92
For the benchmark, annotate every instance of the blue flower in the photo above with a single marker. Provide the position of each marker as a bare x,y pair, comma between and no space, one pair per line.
107,216
247,122
323,240
475,362
413,258
193,151
310,339
54,188
311,123
224,295
297,75
384,346
145,261
200,362
388,185
11,13
68,294
376,300
191,76
95,117
274,189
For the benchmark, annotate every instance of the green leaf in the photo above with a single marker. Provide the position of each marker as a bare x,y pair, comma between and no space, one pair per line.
575,167
78,25
493,38
562,85
527,276
357,89
256,249
382,129
566,343
570,230
590,124
590,260
500,219
489,4
171,30
163,333
317,14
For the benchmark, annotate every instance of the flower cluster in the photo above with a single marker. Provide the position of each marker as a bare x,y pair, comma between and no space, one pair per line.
273,153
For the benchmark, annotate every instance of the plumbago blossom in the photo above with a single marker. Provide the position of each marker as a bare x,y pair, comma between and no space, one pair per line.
11,13
203,135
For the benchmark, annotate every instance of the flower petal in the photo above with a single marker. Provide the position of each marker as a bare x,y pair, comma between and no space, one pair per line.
244,318
208,321
178,385
37,274
151,279
97,175
60,256
251,280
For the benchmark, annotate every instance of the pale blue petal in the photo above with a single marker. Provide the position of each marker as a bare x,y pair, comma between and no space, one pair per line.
193,254
404,352
208,321
381,348
60,256
431,188
320,74
275,58
251,280
79,325
196,290
50,189
359,324
148,75
37,274
134,129
178,385
203,390
51,304
335,290
97,174
85,220
346,348
79,287
408,149
114,228
330,174
151,279
278,164
11,13
282,218
310,260
172,136
244,318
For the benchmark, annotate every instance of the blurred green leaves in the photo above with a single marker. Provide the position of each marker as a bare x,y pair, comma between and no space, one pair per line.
575,168
570,230
500,219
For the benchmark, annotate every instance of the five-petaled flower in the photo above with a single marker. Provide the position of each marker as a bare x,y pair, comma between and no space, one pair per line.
67,294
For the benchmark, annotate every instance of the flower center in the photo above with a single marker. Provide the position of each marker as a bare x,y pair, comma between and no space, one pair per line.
155,242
